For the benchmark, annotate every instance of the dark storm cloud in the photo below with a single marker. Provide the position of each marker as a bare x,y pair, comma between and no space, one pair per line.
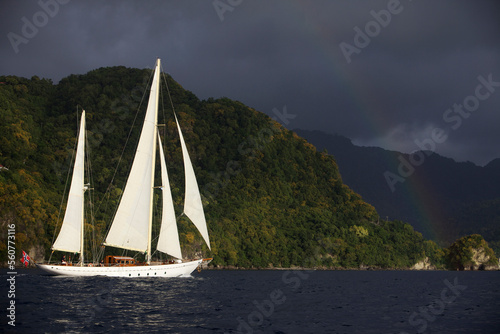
271,54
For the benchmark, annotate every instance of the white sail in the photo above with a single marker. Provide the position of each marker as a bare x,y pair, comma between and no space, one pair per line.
70,235
168,240
132,222
193,207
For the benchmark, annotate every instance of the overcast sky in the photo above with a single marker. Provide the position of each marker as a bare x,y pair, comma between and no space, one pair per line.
383,73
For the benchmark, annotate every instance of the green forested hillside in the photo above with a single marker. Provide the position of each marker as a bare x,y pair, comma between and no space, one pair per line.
468,196
271,199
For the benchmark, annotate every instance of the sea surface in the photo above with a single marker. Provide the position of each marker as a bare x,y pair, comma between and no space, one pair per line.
257,301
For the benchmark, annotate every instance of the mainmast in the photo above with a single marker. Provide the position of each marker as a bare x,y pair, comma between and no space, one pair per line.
155,91
132,223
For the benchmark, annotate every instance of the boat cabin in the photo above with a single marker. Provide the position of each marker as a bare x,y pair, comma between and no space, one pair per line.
112,260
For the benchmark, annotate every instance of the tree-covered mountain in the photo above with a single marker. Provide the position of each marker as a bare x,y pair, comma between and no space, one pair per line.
271,199
471,253
441,198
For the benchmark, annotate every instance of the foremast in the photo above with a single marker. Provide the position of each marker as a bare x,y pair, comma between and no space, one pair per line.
70,237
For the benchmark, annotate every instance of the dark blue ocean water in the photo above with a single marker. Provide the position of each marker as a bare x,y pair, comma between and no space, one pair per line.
258,302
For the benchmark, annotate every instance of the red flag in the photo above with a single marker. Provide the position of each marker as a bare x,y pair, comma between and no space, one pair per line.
25,259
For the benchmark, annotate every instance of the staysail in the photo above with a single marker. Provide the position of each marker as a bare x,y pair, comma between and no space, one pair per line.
132,222
70,235
168,240
193,207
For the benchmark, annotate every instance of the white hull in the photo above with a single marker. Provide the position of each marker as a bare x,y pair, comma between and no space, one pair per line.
165,270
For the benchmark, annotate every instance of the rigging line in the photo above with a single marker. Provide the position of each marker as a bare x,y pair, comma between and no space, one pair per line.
67,178
161,101
165,125
91,199
100,253
165,79
108,190
124,147
88,213
163,107
168,93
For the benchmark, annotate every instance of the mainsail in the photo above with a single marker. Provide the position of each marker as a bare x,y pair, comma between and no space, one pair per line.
168,240
131,227
71,233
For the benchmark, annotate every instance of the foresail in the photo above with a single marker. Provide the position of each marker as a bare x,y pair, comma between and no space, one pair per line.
168,240
69,238
131,224
193,207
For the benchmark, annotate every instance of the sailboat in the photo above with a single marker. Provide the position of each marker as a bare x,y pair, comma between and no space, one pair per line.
131,228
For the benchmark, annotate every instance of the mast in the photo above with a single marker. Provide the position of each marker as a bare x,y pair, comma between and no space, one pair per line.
150,226
82,231
82,247
70,238
132,223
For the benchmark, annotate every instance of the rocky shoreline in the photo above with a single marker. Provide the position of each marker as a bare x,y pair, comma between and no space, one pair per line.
420,266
